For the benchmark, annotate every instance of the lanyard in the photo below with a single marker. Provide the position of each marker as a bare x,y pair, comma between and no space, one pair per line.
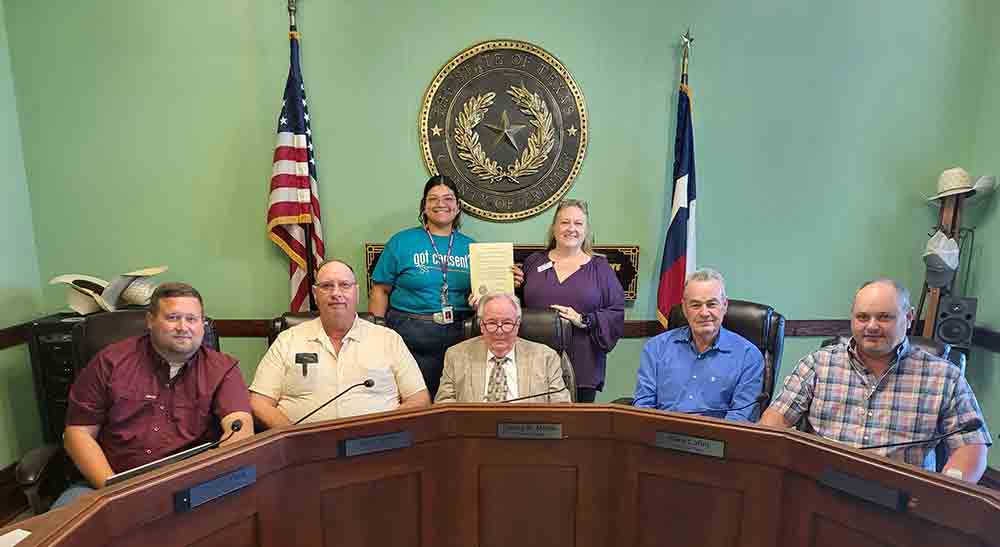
444,264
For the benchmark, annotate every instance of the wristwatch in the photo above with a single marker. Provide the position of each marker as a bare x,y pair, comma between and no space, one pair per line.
585,319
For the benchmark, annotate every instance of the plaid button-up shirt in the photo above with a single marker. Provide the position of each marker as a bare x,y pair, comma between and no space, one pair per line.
918,397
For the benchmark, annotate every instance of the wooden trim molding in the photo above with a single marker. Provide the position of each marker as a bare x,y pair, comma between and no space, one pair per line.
987,339
15,335
242,328
260,328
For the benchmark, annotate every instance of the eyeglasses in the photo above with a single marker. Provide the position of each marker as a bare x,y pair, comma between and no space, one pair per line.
493,327
330,286
447,200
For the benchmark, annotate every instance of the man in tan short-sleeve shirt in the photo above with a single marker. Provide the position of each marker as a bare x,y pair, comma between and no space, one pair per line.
310,363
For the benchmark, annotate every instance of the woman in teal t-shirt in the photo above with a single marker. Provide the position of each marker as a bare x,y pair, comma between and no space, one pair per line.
421,281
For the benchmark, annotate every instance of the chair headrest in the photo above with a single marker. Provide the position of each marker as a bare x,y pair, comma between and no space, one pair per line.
292,319
537,325
749,319
102,329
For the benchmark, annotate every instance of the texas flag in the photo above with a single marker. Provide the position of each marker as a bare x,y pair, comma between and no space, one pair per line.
679,247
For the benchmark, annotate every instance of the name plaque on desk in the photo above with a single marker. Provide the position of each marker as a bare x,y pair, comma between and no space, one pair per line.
691,445
529,431
890,498
360,446
200,494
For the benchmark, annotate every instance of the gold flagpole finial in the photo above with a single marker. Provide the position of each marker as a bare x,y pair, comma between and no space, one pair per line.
686,41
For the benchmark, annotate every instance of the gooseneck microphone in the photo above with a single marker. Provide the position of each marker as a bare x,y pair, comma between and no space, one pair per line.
516,399
233,428
648,396
369,383
967,427
761,397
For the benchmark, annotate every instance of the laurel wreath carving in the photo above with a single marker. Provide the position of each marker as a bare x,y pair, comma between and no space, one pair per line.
540,142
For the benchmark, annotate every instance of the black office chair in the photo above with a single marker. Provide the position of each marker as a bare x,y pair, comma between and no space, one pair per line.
291,319
544,326
758,323
44,472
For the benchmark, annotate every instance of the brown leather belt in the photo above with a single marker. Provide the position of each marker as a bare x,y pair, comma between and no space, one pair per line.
421,317
459,315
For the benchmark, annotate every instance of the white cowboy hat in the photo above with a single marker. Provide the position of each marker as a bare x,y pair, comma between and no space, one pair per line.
82,291
132,288
953,181
984,186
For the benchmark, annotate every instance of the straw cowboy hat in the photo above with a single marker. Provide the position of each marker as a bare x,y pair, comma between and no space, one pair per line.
953,181
90,294
82,291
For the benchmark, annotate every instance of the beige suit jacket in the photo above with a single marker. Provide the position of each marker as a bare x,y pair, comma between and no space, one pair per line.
464,378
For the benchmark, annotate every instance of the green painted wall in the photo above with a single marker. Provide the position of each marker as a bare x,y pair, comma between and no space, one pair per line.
20,296
148,129
984,367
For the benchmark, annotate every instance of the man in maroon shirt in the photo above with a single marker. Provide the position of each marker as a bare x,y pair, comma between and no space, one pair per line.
149,396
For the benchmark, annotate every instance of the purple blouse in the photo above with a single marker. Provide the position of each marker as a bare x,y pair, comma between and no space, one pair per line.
594,292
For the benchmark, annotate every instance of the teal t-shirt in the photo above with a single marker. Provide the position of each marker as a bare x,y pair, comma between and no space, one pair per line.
411,266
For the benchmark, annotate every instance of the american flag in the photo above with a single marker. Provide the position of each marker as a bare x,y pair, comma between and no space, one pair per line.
293,217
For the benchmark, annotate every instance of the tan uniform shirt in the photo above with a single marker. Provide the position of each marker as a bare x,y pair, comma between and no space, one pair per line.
368,351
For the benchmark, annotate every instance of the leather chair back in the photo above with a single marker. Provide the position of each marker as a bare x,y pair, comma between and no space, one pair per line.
762,326
99,330
291,319
544,326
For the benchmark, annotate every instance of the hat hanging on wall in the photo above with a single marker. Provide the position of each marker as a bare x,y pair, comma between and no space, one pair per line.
87,294
952,182
984,187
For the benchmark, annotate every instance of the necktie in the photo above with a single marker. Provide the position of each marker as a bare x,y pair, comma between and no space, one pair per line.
496,390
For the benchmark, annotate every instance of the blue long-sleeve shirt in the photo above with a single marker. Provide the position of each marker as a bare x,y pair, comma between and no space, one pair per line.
674,376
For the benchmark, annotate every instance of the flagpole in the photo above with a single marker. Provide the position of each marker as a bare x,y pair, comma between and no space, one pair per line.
308,227
686,41
679,257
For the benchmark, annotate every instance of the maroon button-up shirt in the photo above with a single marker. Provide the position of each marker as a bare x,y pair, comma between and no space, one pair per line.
144,415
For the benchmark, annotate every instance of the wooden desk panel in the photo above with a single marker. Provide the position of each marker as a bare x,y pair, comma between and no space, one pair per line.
559,489
817,516
603,483
672,498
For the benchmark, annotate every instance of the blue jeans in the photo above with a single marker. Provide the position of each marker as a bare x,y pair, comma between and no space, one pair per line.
427,342
69,495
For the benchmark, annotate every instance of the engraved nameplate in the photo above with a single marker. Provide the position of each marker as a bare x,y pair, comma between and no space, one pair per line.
200,494
529,431
360,446
887,497
691,445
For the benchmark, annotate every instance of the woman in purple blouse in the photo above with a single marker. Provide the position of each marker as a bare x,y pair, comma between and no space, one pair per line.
583,288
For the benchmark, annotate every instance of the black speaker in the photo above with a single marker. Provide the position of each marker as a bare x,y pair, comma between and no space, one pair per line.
956,320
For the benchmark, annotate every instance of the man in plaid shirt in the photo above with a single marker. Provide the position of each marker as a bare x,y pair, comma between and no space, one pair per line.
876,389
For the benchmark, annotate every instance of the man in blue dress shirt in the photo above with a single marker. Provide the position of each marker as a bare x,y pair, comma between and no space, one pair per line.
701,368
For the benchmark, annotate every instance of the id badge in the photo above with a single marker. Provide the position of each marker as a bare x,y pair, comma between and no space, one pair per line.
446,316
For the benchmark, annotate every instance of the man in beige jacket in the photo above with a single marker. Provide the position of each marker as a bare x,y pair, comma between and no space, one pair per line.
499,366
